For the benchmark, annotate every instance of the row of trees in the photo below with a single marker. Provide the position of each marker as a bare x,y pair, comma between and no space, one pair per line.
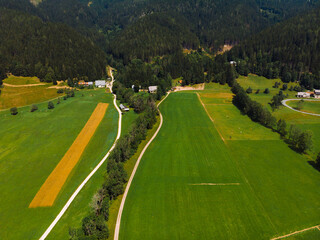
299,140
94,224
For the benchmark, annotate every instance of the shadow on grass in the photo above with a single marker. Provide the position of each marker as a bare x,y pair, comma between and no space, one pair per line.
314,165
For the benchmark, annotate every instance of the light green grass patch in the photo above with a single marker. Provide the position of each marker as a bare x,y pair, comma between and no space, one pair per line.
15,80
307,106
235,126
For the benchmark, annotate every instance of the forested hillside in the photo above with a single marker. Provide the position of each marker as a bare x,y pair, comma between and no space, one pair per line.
153,35
290,50
31,47
214,22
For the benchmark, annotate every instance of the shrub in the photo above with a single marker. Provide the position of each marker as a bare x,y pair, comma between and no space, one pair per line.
14,111
34,108
60,90
50,105
65,97
249,90
257,91
58,102
266,91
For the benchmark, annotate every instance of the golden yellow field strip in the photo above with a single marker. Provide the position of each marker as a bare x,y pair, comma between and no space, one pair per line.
52,186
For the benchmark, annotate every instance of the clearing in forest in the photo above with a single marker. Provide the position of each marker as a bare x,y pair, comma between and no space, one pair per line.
52,186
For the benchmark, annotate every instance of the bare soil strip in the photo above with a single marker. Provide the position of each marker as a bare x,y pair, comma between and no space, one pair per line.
296,232
210,117
215,184
52,186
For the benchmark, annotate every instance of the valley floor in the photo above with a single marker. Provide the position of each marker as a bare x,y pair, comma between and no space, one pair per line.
193,185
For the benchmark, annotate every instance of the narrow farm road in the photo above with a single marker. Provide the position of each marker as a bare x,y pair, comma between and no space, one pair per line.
74,195
117,229
284,102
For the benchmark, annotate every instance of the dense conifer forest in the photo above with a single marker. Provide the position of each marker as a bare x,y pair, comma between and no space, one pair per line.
290,50
31,47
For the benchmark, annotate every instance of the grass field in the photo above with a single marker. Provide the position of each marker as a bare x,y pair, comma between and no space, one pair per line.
307,106
26,161
15,80
81,205
277,189
50,189
22,96
257,82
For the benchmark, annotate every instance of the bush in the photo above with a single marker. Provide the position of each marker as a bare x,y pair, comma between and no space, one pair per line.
58,102
60,90
50,105
249,90
14,111
266,91
65,97
34,108
257,91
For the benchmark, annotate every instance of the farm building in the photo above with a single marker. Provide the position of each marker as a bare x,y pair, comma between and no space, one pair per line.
124,108
153,89
317,93
303,95
100,83
90,83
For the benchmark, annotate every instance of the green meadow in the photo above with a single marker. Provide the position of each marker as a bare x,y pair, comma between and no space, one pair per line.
261,83
264,189
32,144
307,106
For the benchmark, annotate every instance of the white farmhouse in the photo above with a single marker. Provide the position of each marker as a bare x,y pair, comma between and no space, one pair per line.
303,95
100,83
316,93
153,89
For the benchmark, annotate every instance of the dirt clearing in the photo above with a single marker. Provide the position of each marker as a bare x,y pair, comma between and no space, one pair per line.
52,186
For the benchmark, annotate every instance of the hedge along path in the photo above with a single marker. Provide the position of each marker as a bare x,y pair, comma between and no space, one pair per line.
52,186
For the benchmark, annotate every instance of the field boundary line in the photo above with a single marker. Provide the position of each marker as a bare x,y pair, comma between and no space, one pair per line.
117,229
212,120
284,102
74,195
214,184
296,232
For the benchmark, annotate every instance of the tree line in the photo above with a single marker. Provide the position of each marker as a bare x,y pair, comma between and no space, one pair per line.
94,224
299,140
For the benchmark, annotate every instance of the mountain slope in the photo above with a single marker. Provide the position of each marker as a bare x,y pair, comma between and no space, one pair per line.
290,50
31,47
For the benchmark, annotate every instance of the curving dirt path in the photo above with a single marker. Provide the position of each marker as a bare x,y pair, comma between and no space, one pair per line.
74,195
117,229
284,103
